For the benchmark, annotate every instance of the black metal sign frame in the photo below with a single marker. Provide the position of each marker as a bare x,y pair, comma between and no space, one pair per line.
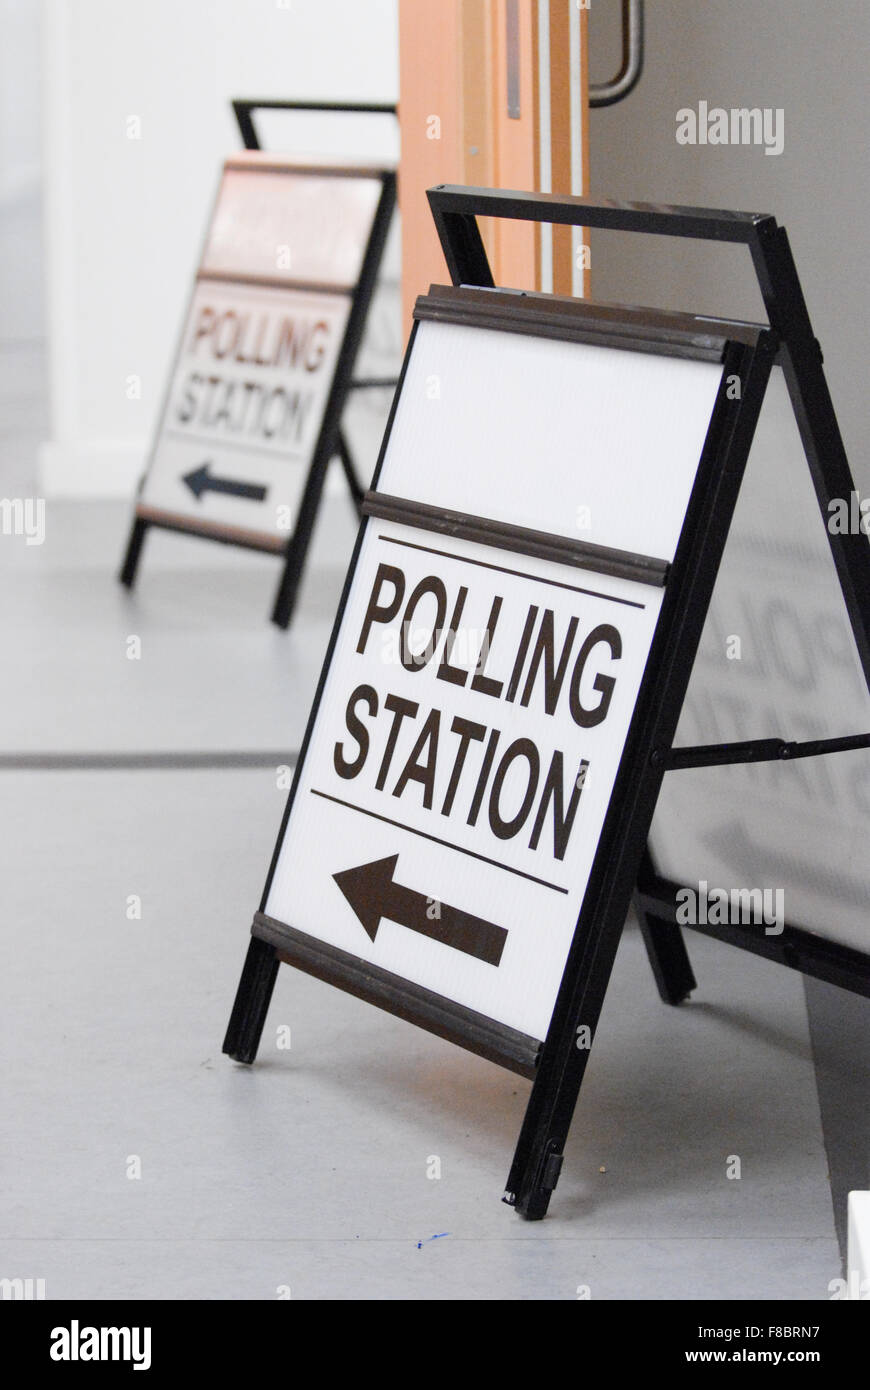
243,110
330,440
746,353
455,211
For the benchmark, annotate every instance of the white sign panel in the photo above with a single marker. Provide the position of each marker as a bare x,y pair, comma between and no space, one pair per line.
464,749
260,346
592,443
489,778
245,406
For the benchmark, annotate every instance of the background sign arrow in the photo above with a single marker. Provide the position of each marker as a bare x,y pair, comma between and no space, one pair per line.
200,481
373,893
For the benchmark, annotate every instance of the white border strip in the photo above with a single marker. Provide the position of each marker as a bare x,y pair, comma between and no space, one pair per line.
545,148
577,118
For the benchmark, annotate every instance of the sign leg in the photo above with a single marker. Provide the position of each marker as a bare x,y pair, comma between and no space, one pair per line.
541,1148
538,1158
288,589
285,599
667,956
253,997
663,940
353,482
541,1145
133,553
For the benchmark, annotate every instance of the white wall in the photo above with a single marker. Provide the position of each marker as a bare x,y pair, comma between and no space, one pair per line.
19,99
21,260
125,217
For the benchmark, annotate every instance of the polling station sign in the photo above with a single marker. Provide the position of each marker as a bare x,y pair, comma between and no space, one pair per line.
504,685
483,678
474,792
252,412
245,408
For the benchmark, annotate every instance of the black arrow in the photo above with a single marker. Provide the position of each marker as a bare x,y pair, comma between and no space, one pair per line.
200,481
373,893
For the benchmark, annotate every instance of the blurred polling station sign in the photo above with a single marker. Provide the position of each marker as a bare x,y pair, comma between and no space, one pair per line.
778,654
263,366
476,783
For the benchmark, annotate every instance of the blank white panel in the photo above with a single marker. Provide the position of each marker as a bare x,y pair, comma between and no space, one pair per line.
594,443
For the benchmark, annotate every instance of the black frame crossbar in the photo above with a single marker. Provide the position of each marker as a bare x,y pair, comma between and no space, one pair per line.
755,750
539,545
451,201
244,108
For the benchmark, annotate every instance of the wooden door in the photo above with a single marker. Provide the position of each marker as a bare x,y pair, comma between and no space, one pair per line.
494,93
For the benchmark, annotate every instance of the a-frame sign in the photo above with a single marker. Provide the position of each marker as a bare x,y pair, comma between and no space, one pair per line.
500,695
252,414
244,110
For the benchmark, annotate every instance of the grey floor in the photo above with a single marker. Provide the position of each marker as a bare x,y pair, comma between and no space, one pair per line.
311,1171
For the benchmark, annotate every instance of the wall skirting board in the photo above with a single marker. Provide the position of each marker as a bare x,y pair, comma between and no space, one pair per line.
96,468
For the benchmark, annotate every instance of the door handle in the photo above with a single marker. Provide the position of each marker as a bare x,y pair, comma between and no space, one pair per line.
625,81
